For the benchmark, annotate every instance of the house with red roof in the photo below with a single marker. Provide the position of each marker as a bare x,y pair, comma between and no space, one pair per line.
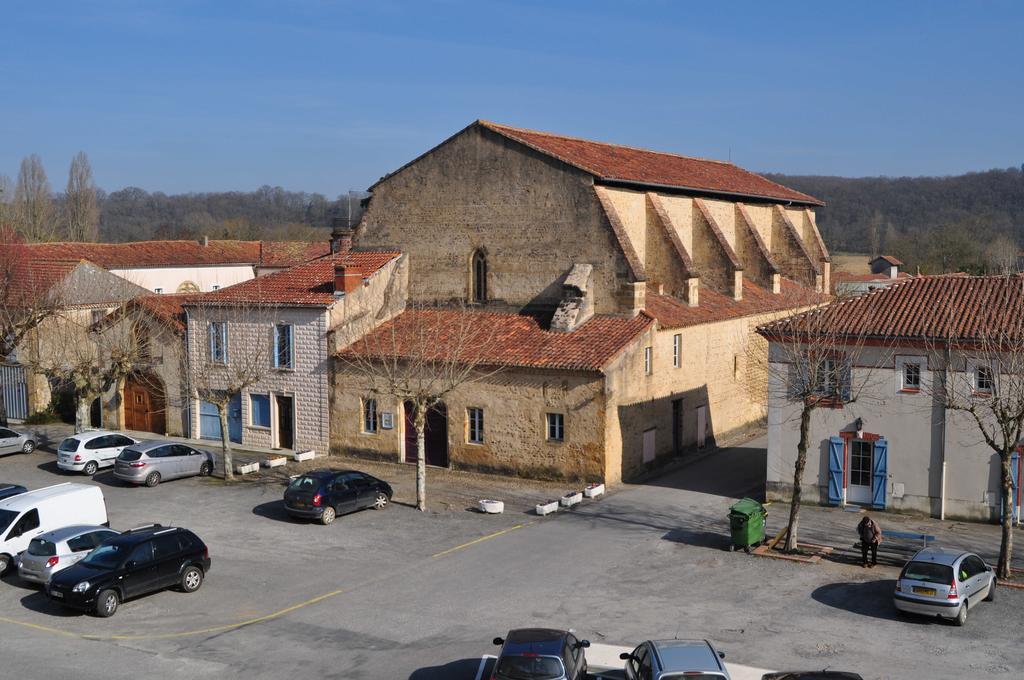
884,270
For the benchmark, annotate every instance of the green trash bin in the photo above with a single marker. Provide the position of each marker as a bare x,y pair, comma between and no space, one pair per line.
746,524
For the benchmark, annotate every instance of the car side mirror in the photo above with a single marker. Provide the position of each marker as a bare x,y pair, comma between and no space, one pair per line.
498,641
626,656
585,644
721,655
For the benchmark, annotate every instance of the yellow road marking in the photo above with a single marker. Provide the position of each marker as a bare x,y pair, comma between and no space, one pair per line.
480,540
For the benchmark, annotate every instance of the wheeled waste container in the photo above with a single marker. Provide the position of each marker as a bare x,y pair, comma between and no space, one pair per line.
746,524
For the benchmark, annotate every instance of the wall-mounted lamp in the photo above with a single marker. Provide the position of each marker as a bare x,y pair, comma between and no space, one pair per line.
859,426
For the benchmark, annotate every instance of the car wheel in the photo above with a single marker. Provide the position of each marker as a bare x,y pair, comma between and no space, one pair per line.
5,564
381,501
991,591
106,603
152,479
90,468
191,579
327,516
961,616
205,469
28,447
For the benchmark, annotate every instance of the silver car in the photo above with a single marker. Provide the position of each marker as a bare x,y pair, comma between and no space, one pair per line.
152,462
15,442
673,659
59,549
944,583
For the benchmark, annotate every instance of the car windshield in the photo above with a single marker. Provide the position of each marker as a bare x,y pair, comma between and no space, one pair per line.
6,518
529,668
107,556
69,444
929,572
41,548
304,483
129,455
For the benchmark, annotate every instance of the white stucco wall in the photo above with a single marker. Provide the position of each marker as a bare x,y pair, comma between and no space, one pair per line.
169,278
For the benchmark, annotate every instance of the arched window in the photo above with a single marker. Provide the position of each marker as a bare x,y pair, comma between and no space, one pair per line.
479,274
187,287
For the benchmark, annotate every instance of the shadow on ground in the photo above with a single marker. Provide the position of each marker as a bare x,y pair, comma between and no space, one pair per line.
455,670
38,602
866,598
275,510
733,473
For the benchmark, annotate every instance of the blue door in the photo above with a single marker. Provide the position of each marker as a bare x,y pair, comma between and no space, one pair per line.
235,419
880,474
209,421
835,470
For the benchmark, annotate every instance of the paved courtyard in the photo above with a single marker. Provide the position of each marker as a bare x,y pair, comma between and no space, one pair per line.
403,595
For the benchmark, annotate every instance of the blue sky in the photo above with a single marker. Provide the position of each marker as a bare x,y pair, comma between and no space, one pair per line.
328,96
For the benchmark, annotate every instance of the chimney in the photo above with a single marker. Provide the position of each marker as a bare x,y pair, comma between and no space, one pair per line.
341,235
346,279
206,241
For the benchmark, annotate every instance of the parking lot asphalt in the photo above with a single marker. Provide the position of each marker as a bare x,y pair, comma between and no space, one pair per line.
399,594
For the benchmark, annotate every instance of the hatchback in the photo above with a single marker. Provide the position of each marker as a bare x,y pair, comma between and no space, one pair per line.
139,561
944,583
59,549
541,654
15,442
87,452
152,462
664,659
324,494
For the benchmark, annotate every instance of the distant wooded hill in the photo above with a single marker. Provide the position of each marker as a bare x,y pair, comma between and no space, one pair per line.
972,222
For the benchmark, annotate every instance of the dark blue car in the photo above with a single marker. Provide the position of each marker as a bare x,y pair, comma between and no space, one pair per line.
324,494
8,490
541,654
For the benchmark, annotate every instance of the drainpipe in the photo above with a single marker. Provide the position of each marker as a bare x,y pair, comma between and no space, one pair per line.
945,388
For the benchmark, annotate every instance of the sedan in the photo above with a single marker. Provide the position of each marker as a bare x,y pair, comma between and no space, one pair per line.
14,442
152,462
59,549
324,494
944,583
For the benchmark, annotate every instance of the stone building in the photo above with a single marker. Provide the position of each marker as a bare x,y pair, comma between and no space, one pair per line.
574,235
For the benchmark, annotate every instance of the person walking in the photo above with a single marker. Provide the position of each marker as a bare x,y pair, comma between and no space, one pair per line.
870,536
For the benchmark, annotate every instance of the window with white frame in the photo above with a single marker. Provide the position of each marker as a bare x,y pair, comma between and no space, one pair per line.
475,425
556,427
218,331
158,290
984,379
677,350
909,373
827,377
370,416
284,352
647,361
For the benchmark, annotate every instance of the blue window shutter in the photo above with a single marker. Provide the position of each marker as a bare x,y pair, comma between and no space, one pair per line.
277,346
835,470
224,341
211,329
880,475
289,349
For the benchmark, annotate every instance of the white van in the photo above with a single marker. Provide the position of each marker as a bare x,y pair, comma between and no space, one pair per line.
27,515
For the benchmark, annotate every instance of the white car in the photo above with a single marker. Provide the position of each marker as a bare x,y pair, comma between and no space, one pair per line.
89,451
14,442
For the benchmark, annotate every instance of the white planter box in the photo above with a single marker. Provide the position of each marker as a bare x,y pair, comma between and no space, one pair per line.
593,490
247,468
275,462
492,507
546,508
570,499
304,455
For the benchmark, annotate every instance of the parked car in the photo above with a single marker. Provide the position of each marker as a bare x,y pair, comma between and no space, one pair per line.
663,659
325,494
811,675
87,452
138,562
33,513
14,442
944,583
541,654
8,490
152,462
59,549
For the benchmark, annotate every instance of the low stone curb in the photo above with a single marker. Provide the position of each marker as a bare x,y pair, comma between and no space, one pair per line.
821,550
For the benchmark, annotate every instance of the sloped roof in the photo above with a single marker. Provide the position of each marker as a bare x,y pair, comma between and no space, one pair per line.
311,283
617,163
497,339
167,308
28,279
136,254
672,312
889,259
954,307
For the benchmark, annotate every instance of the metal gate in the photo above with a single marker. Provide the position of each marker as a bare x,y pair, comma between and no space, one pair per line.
14,382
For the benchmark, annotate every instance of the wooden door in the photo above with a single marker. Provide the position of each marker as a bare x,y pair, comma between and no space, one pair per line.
435,434
285,422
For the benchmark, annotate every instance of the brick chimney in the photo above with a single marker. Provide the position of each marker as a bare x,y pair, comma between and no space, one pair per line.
346,279
341,235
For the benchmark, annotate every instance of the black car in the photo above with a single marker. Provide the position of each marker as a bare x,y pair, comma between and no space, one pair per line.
8,490
137,562
325,494
811,675
541,654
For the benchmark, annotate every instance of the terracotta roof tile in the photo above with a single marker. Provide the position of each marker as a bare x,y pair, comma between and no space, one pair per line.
672,312
175,253
612,162
496,339
311,283
167,308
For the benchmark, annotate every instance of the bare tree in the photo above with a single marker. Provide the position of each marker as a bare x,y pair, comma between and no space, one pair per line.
1002,255
6,201
81,212
420,357
33,204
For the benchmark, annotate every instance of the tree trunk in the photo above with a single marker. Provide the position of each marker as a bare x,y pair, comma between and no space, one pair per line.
798,478
225,443
421,457
83,406
1006,544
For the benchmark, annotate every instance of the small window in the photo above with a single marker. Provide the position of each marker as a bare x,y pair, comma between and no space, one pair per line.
475,432
259,410
219,342
479,277
911,376
647,360
556,427
370,416
215,286
984,380
158,290
283,349
80,543
677,350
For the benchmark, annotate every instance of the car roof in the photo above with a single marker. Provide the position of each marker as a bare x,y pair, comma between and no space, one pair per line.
64,533
946,556
686,655
30,499
142,533
541,641
91,434
327,472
